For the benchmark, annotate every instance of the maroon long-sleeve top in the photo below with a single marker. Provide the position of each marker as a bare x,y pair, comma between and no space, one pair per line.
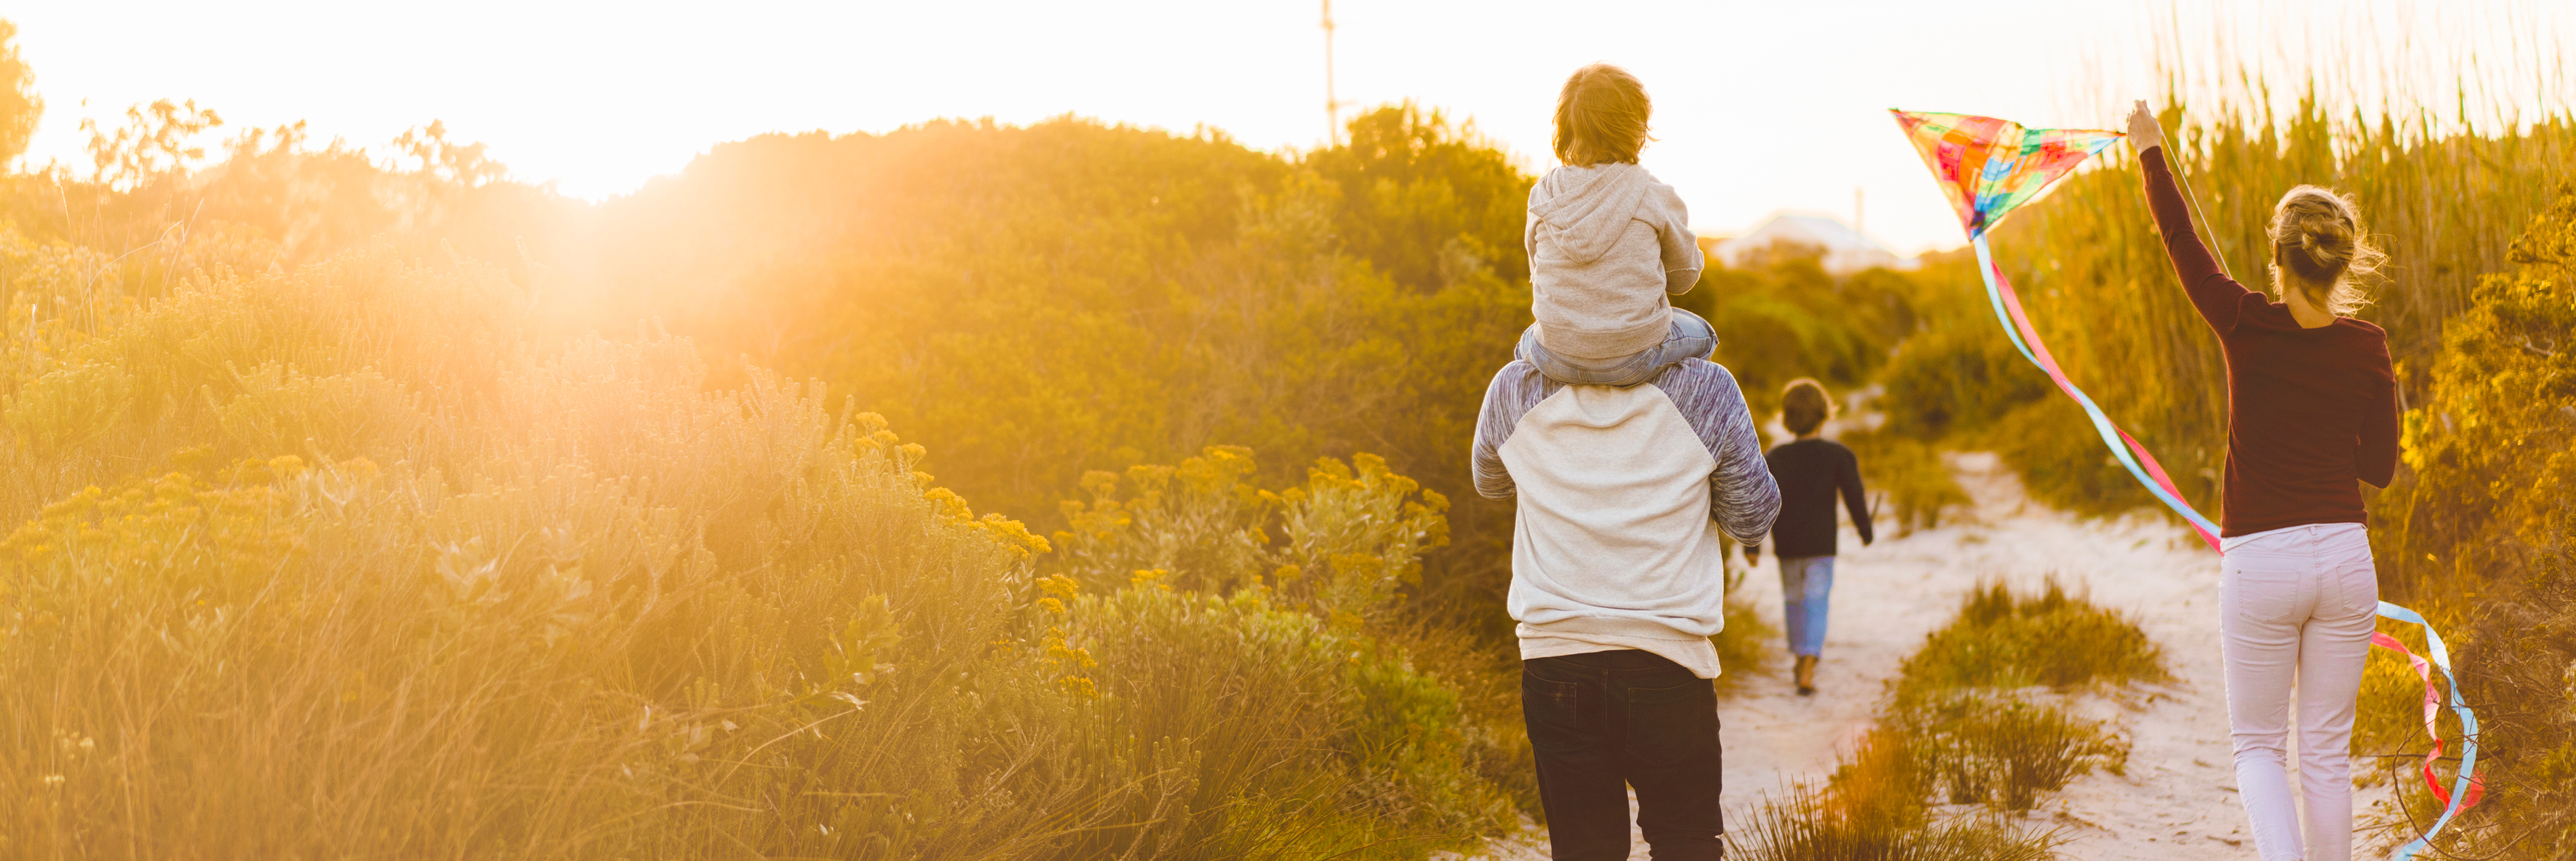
2309,411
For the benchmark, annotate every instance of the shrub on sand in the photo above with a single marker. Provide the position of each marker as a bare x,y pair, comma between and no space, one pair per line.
1978,747
2006,640
1961,727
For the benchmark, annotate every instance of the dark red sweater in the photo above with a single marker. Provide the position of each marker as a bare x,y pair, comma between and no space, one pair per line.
2309,411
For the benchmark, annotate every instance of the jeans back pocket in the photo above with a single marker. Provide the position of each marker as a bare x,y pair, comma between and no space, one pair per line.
1672,720
1554,712
2355,587
2261,589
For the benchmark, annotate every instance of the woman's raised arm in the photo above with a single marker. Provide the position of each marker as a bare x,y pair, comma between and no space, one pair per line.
2216,296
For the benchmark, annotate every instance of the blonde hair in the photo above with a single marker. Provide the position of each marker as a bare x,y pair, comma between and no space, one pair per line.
1804,406
2317,234
1601,116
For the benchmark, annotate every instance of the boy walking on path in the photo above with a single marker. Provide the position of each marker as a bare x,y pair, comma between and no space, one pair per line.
1810,470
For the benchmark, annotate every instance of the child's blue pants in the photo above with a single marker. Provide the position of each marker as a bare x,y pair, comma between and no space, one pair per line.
1806,585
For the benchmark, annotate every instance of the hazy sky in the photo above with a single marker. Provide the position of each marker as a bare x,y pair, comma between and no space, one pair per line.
1760,107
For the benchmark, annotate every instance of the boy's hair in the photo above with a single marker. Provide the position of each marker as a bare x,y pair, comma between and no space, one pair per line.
1601,116
1804,406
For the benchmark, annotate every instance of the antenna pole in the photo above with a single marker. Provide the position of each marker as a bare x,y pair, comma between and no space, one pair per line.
1332,106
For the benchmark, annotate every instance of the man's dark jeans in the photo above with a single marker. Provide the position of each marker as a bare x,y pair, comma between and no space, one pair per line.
1601,722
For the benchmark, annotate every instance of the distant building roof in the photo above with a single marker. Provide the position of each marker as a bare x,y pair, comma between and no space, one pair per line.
1845,250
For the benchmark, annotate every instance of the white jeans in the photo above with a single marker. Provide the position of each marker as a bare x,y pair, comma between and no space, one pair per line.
2296,603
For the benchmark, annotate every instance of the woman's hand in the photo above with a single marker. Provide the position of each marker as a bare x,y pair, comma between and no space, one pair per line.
2144,132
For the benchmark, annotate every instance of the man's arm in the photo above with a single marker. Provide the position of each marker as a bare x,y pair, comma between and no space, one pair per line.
1515,389
1742,497
1753,550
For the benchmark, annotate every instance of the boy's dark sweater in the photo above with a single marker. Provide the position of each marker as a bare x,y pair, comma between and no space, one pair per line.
1809,471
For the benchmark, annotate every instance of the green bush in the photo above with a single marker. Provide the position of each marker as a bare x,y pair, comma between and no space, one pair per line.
2475,535
503,594
2002,639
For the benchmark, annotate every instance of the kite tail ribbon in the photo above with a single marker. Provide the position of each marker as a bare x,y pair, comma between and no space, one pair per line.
2131,454
2467,786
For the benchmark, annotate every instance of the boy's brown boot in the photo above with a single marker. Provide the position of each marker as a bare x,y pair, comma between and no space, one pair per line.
1806,675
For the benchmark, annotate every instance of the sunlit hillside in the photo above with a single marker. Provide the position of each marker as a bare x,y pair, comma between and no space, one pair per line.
1069,490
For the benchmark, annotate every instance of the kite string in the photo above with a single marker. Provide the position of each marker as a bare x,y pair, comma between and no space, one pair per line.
2467,787
2203,225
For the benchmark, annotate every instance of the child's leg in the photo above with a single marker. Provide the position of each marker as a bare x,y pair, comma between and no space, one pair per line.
1690,338
1794,616
1820,590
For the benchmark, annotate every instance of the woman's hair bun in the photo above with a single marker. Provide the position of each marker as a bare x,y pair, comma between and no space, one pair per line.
2328,241
2320,239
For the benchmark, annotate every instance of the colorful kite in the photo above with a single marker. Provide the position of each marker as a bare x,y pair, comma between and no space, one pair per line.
1988,167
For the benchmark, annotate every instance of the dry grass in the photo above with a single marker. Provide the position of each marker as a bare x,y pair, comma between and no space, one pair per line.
1806,824
1982,747
1963,727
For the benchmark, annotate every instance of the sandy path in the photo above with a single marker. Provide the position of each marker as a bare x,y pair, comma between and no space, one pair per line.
2178,798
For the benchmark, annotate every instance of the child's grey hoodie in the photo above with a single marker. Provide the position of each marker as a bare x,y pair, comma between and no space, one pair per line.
1605,243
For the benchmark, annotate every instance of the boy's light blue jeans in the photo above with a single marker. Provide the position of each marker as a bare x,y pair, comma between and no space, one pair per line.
1691,338
1806,584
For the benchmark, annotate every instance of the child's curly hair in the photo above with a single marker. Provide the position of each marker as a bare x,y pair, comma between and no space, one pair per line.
1804,406
1601,116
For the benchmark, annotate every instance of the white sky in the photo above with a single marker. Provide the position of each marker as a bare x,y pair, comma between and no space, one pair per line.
1760,107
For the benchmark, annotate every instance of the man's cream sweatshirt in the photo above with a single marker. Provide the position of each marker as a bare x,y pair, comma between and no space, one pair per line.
1623,493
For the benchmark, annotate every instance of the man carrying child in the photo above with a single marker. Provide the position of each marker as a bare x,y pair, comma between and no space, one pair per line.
1629,454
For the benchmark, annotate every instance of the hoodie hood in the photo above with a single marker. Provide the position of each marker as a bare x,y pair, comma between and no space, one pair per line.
1587,208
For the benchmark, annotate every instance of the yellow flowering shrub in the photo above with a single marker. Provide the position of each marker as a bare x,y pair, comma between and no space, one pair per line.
2475,534
184,540
1344,542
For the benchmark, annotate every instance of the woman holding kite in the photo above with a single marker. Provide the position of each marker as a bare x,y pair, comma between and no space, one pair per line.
2312,411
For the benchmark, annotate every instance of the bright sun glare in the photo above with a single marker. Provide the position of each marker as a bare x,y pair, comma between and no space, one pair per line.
1762,107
